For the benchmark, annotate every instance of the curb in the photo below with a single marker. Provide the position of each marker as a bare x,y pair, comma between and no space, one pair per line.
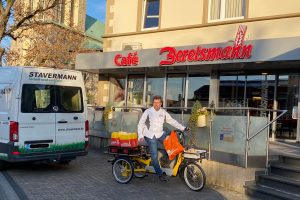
9,189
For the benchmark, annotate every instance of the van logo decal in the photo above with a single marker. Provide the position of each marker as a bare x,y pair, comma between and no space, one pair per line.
5,91
40,75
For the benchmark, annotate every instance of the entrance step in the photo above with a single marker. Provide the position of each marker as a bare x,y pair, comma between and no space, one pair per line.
285,170
290,160
269,193
281,182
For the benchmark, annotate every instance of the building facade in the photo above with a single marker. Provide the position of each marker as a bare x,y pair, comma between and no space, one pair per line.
224,53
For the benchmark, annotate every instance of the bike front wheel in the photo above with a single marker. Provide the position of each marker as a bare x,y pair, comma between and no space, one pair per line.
194,176
122,170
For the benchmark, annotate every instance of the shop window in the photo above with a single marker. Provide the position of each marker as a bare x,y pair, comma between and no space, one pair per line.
117,91
232,91
288,98
198,90
155,85
175,90
260,91
226,9
135,90
151,14
247,91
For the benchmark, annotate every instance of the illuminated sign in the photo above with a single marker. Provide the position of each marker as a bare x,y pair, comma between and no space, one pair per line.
131,59
200,54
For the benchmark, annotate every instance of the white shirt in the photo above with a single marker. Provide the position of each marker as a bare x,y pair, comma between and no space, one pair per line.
156,119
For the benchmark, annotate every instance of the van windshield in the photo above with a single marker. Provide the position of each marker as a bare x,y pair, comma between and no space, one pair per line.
38,98
5,97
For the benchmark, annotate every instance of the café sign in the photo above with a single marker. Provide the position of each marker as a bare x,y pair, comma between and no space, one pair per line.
199,54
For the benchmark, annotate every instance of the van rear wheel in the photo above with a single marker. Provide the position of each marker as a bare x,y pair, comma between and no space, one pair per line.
65,162
3,165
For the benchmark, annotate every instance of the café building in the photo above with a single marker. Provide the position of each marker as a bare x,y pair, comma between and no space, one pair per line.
222,53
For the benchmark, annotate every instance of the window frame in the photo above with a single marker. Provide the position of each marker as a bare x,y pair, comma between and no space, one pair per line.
223,12
152,16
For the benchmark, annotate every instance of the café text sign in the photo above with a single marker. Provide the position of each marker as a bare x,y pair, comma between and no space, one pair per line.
200,54
131,59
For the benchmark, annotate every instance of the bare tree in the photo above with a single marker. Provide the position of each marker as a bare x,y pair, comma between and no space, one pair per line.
49,46
17,17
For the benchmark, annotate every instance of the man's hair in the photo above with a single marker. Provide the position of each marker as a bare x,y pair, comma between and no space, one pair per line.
157,97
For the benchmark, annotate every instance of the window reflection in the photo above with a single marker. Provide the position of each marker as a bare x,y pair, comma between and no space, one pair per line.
232,91
155,86
135,90
117,91
175,90
287,97
198,90
151,15
260,91
247,91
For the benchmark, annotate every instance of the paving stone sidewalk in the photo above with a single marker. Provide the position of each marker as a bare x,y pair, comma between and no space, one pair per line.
90,177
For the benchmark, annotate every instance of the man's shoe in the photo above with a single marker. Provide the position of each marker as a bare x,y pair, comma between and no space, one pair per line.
163,177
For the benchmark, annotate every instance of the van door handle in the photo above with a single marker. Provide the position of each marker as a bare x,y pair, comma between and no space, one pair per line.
33,118
75,118
62,122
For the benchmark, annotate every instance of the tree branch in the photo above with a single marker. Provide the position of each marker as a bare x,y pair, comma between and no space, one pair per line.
40,9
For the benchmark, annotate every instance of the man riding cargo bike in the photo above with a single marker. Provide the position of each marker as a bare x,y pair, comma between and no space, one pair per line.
138,162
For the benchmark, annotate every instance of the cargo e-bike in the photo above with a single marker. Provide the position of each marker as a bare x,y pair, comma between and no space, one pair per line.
129,162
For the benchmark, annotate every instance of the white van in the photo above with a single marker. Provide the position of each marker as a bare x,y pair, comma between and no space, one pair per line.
43,114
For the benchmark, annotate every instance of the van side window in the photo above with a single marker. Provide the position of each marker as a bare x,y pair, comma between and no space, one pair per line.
70,99
37,98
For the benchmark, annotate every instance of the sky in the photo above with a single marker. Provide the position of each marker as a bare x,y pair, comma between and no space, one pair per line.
96,9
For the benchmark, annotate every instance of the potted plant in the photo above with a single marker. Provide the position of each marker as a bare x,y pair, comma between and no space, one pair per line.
198,115
201,120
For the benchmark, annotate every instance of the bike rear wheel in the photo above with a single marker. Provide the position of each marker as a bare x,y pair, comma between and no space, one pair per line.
194,176
122,170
